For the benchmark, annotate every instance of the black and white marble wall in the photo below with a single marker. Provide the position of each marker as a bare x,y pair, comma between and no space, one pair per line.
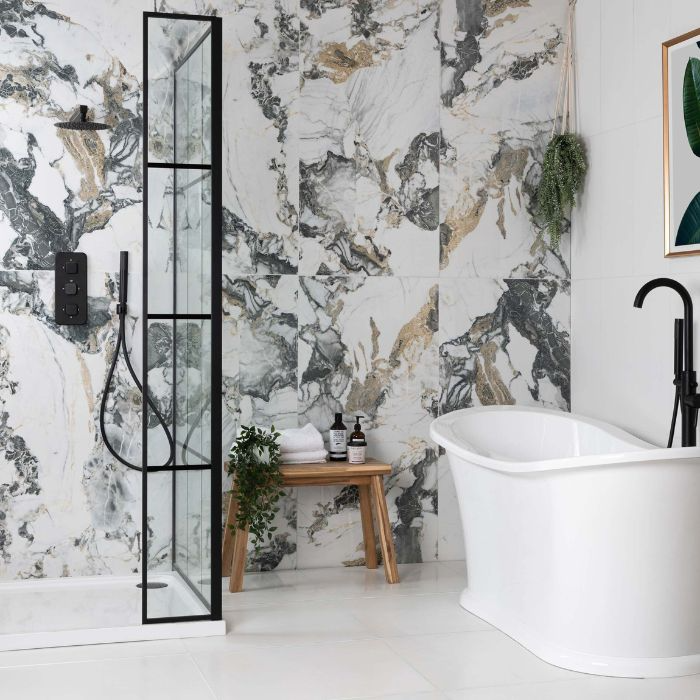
424,282
381,253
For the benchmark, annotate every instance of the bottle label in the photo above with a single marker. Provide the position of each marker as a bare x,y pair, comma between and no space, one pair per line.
356,454
338,441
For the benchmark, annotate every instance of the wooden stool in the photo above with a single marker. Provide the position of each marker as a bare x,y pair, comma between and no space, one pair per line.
369,480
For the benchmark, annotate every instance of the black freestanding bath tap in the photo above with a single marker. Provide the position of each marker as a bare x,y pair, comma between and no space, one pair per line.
685,379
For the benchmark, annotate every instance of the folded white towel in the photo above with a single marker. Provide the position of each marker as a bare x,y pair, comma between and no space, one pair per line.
306,439
313,457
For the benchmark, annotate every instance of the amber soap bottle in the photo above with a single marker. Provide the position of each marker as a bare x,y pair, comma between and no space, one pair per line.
357,444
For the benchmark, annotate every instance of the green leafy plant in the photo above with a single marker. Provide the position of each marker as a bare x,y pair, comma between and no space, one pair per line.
254,464
689,229
691,103
563,172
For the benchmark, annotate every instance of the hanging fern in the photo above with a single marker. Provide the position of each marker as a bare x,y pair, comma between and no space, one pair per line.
563,172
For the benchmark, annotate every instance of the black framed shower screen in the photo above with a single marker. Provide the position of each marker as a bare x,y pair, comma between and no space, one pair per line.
182,150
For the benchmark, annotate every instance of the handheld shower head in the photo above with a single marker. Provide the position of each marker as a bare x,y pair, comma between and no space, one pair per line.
121,348
123,280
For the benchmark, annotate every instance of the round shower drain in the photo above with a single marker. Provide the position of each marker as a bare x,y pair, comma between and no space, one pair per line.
153,584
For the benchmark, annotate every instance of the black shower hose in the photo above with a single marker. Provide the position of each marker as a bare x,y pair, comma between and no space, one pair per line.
121,344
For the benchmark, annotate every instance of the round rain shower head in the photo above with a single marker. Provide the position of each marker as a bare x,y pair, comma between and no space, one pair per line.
83,124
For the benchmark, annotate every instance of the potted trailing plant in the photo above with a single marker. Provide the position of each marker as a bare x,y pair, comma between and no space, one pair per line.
254,464
564,166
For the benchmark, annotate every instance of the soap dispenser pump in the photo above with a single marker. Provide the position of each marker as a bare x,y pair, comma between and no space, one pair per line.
357,444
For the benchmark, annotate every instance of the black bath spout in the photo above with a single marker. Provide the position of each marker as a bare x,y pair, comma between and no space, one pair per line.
687,311
685,378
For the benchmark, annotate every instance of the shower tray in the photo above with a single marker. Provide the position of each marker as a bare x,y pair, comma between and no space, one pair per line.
96,610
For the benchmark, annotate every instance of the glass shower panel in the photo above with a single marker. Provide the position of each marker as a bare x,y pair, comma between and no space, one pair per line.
193,244
182,264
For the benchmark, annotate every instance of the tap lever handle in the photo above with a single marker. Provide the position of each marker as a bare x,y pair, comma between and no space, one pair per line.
677,349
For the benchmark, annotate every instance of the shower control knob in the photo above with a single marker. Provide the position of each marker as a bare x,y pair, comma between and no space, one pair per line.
70,289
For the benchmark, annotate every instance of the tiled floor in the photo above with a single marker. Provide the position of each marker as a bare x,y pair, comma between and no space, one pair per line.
322,635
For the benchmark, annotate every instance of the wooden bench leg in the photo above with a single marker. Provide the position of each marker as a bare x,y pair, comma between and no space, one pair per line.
385,537
227,547
240,552
367,527
235,547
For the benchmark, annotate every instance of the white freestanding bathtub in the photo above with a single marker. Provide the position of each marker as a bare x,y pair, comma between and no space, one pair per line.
582,542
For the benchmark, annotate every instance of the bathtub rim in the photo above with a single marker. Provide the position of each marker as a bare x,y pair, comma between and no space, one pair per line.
443,433
582,662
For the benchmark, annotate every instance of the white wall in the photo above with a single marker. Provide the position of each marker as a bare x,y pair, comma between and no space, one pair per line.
622,357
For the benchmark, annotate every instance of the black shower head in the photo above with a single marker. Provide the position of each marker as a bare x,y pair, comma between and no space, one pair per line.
83,124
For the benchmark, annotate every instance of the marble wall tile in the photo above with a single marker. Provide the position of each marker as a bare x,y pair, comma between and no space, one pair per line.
59,185
369,155
504,342
260,381
261,85
68,510
500,67
356,357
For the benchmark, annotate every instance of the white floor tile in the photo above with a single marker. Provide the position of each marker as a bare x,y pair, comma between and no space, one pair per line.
94,652
432,695
590,688
149,678
300,624
474,659
409,615
345,670
301,585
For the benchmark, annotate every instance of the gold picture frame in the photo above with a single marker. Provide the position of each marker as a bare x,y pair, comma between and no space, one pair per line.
676,56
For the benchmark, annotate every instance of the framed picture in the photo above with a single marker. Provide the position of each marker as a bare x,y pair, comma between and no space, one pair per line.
681,76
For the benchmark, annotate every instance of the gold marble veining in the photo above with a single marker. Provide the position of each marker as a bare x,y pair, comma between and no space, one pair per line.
99,218
495,7
489,386
88,152
499,24
461,223
342,61
407,350
417,333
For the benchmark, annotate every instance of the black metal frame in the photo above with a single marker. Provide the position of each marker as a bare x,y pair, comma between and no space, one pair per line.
215,468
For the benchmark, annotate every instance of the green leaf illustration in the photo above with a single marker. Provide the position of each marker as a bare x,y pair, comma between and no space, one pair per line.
691,104
689,230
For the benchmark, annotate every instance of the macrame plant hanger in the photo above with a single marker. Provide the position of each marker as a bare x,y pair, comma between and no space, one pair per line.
565,110
564,164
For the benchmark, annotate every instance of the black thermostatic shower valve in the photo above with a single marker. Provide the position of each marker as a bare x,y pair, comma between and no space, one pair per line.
71,289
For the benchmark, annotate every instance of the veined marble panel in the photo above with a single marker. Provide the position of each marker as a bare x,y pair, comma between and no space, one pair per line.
504,342
500,68
368,346
57,185
369,139
261,191
67,509
260,381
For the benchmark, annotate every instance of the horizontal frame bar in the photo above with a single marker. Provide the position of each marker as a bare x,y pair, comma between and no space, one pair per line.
180,468
182,618
180,15
180,166
179,317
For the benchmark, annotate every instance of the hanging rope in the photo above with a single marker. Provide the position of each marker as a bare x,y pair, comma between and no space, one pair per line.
564,112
